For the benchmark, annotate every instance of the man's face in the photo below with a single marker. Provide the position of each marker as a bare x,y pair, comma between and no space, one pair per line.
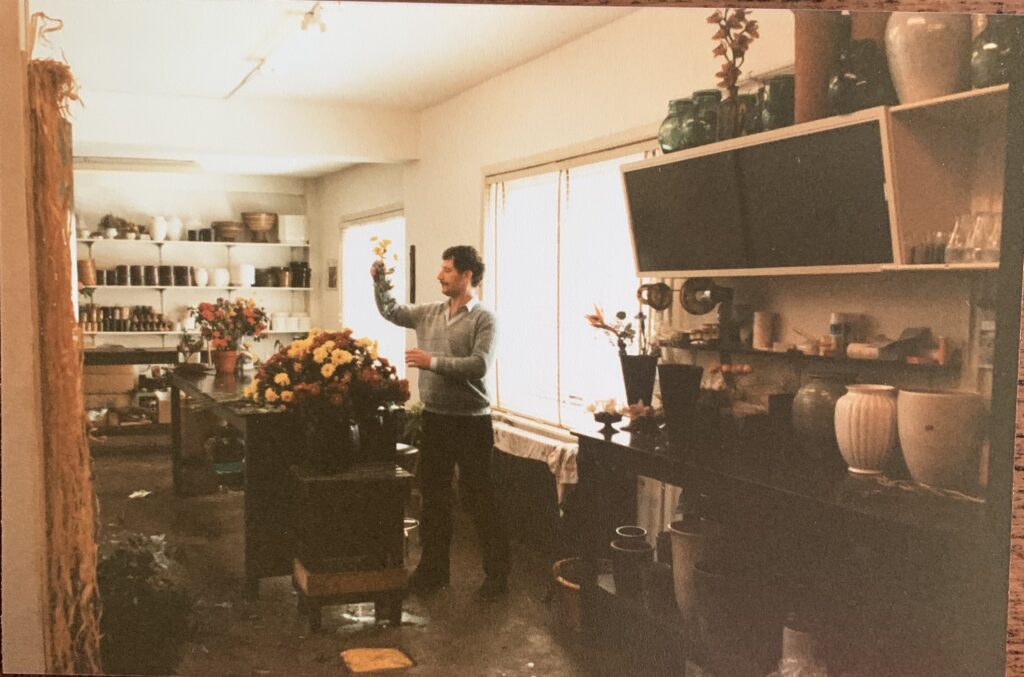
453,283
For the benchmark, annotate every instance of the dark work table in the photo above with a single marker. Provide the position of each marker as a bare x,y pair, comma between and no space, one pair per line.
891,567
826,495
117,355
273,440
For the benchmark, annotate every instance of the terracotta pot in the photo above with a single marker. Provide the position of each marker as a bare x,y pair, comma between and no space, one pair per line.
941,434
224,361
866,427
692,540
929,54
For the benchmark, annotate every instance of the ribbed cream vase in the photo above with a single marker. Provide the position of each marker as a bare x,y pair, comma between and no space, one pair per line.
866,427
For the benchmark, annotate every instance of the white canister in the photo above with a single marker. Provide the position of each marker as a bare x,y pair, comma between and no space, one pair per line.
941,433
175,228
221,277
202,276
305,323
279,322
189,322
158,229
246,274
865,419
292,323
292,228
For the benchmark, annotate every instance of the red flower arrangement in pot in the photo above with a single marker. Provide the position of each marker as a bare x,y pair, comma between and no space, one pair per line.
346,393
225,323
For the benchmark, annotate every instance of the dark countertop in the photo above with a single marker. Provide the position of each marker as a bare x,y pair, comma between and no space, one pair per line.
823,496
223,389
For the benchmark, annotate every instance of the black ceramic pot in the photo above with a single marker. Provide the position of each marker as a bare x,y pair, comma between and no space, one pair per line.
860,79
630,556
996,50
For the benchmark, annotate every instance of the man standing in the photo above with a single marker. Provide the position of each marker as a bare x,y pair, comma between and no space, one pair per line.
456,348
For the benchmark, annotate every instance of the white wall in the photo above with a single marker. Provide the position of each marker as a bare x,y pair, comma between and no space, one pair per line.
22,460
332,199
140,126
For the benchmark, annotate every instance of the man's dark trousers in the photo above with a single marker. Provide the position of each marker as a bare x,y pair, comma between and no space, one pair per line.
467,441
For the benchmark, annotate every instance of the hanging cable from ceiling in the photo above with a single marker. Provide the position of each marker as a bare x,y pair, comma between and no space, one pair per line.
310,18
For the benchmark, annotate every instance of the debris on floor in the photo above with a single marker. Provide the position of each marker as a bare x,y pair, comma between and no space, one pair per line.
141,493
372,660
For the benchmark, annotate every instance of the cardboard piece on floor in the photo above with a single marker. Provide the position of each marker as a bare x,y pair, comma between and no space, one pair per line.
372,660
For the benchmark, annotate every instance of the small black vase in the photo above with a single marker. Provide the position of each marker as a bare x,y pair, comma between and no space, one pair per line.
860,79
638,373
332,443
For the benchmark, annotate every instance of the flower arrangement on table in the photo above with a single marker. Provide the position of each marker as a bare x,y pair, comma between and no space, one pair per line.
641,417
621,331
224,323
382,284
331,379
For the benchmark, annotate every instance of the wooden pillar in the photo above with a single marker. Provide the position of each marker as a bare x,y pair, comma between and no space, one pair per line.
817,38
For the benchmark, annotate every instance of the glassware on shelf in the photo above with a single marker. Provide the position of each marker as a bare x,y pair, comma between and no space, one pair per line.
988,231
956,248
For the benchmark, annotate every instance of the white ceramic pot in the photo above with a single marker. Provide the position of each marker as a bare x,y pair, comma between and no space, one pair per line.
692,540
243,275
175,228
866,426
202,276
929,54
221,277
158,229
941,433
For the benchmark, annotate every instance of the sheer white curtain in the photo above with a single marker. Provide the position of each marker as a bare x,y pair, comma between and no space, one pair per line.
557,244
524,295
358,310
596,268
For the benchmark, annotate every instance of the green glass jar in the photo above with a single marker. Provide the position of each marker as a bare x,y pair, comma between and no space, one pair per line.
992,53
703,128
750,113
670,134
778,102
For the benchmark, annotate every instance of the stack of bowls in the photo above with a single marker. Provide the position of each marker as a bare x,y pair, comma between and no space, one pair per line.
227,231
259,223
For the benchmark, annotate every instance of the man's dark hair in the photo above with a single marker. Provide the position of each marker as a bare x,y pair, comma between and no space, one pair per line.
465,258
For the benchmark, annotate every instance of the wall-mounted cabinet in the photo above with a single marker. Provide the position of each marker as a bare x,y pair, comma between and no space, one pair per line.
847,194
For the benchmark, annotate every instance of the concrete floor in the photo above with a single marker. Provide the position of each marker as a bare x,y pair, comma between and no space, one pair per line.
447,633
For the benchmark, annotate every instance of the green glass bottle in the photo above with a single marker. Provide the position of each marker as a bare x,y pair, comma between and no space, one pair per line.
670,134
703,128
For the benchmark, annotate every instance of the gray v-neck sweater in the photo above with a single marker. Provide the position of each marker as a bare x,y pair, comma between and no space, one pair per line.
462,348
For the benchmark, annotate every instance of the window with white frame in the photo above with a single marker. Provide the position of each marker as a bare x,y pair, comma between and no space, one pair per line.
358,309
557,244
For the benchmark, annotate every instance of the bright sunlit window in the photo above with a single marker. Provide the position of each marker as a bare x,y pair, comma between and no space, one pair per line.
358,309
557,244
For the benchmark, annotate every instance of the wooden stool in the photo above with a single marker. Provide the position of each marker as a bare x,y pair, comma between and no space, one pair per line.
320,584
349,539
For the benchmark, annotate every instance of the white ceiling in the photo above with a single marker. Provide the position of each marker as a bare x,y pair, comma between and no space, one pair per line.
384,54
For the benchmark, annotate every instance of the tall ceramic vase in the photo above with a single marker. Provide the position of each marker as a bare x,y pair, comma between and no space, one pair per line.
814,418
929,54
638,372
941,433
866,427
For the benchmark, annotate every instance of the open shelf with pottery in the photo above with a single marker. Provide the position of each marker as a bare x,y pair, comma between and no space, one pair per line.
182,273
